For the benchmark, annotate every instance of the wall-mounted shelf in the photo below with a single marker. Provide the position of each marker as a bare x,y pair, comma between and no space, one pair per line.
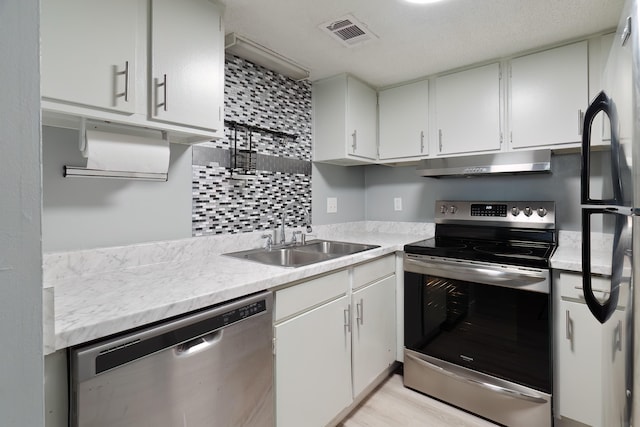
244,160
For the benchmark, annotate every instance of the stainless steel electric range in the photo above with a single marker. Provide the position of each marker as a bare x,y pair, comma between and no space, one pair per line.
477,310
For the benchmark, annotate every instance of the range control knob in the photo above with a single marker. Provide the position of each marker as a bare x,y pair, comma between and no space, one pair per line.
443,209
453,209
515,211
542,212
528,211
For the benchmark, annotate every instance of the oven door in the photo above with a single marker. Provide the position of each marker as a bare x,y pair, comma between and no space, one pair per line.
488,318
477,336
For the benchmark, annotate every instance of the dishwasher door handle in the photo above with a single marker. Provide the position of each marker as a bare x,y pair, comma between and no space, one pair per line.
199,344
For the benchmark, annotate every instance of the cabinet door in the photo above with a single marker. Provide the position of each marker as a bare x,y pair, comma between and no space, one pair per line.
187,66
468,111
361,119
374,326
403,117
579,360
313,365
89,53
549,94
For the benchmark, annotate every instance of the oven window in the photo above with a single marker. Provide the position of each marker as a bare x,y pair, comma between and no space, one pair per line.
500,331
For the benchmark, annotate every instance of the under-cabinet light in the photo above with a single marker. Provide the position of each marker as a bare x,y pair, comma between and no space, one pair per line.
258,54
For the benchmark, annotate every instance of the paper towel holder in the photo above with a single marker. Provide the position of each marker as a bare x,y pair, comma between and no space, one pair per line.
80,172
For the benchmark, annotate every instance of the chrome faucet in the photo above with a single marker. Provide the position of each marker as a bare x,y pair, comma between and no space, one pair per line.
284,220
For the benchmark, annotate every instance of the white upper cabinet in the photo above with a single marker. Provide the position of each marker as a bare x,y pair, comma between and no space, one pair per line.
344,121
549,94
89,53
157,65
186,83
403,118
468,111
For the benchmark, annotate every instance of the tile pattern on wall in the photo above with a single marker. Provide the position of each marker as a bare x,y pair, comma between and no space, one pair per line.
257,97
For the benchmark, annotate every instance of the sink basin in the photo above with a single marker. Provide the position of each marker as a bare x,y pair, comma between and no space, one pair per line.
284,257
334,248
300,255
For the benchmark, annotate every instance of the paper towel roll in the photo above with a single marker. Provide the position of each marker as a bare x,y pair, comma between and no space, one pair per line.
118,152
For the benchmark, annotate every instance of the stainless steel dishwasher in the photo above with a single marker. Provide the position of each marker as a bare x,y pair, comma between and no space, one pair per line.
212,368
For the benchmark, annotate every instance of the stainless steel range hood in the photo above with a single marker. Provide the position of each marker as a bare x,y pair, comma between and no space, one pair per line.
538,161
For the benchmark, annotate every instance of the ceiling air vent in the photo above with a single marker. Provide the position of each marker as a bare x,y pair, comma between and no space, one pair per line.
348,31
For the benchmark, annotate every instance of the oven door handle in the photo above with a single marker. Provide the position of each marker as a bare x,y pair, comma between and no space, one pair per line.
518,278
486,385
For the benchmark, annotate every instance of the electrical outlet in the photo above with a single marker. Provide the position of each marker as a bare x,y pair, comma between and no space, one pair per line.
397,203
332,204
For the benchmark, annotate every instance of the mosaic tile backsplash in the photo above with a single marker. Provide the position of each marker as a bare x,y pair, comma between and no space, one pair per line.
261,98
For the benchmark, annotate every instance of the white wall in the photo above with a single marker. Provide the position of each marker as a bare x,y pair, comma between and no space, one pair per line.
342,182
419,194
21,359
82,213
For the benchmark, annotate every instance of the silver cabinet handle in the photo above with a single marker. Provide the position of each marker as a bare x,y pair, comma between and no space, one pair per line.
163,104
484,384
568,328
421,141
360,311
126,81
618,332
580,121
347,318
626,32
440,139
124,73
354,136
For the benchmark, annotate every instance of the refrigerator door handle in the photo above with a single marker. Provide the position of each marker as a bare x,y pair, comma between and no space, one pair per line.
602,311
601,103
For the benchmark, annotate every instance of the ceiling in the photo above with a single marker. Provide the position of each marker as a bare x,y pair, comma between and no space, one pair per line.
414,40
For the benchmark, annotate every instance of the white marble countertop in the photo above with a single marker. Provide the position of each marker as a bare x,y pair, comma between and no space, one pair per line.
568,254
105,291
95,293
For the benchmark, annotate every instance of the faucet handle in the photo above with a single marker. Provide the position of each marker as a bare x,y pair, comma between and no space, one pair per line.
269,241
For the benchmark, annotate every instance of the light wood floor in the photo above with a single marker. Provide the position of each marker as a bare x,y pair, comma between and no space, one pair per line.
394,405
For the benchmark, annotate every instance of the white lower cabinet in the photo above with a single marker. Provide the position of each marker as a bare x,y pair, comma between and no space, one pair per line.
333,336
373,331
588,355
313,366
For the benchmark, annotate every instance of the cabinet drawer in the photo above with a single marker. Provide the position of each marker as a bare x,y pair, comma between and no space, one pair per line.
308,294
373,271
571,287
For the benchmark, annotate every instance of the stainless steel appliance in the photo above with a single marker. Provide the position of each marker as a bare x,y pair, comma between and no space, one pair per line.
477,310
212,368
610,207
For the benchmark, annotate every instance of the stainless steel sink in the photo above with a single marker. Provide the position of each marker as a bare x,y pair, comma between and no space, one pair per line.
285,257
300,255
334,248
